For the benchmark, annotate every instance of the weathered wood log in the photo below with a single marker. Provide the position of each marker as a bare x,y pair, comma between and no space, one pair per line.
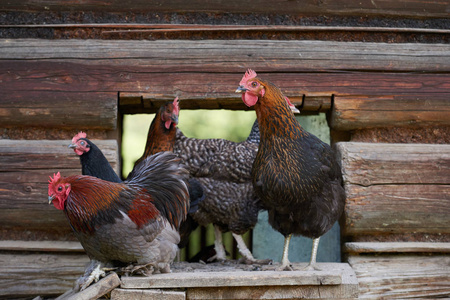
136,294
406,8
25,275
336,280
396,188
69,109
402,276
356,112
208,74
265,56
94,291
25,167
396,247
41,246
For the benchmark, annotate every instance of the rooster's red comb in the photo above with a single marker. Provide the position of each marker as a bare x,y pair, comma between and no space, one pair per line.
250,74
55,178
176,107
80,135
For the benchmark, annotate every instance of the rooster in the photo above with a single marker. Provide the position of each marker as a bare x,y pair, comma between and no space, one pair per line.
161,137
294,174
134,222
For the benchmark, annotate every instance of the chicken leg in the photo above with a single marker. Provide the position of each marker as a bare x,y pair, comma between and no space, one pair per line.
245,252
218,246
312,262
285,263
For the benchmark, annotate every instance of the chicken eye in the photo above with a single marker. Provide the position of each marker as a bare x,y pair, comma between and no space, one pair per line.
82,143
59,188
254,84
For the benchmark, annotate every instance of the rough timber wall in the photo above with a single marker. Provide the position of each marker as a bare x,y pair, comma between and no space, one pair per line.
380,69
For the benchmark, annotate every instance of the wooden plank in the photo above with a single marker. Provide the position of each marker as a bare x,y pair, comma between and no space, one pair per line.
396,247
25,166
357,112
227,56
367,164
29,275
46,107
154,294
402,276
396,188
41,246
405,8
95,290
235,279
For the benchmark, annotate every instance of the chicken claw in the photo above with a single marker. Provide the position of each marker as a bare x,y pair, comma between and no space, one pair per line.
93,272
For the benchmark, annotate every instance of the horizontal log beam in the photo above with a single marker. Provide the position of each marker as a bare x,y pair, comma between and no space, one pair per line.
395,188
406,8
41,246
27,275
396,247
401,276
358,112
25,166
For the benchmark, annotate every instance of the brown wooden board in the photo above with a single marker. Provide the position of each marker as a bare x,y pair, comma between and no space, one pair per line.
25,167
33,106
357,112
402,276
308,7
39,274
396,188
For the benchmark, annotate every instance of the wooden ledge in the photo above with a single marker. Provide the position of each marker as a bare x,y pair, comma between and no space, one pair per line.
396,247
41,246
331,274
335,280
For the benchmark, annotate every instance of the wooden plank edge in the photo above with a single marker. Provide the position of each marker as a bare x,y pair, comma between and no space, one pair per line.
41,246
241,278
395,247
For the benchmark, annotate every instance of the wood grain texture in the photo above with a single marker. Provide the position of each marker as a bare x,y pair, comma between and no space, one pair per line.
136,294
336,280
206,73
396,247
41,246
402,276
406,8
396,188
357,112
25,167
29,275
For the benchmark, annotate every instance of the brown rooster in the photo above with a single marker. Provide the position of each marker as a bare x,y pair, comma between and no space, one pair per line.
294,174
133,222
161,137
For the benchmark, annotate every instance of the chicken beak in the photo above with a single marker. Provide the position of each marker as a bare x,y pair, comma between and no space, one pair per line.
72,146
51,198
241,89
174,119
294,109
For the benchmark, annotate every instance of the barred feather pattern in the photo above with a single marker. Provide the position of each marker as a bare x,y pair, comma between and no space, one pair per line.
224,170
294,173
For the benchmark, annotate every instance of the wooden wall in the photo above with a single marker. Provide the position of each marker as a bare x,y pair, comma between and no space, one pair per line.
66,67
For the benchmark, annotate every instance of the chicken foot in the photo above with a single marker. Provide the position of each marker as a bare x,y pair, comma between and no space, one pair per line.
93,272
218,246
312,262
245,252
285,263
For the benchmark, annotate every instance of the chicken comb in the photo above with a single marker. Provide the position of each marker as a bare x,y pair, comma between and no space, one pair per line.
80,135
176,107
55,178
250,74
